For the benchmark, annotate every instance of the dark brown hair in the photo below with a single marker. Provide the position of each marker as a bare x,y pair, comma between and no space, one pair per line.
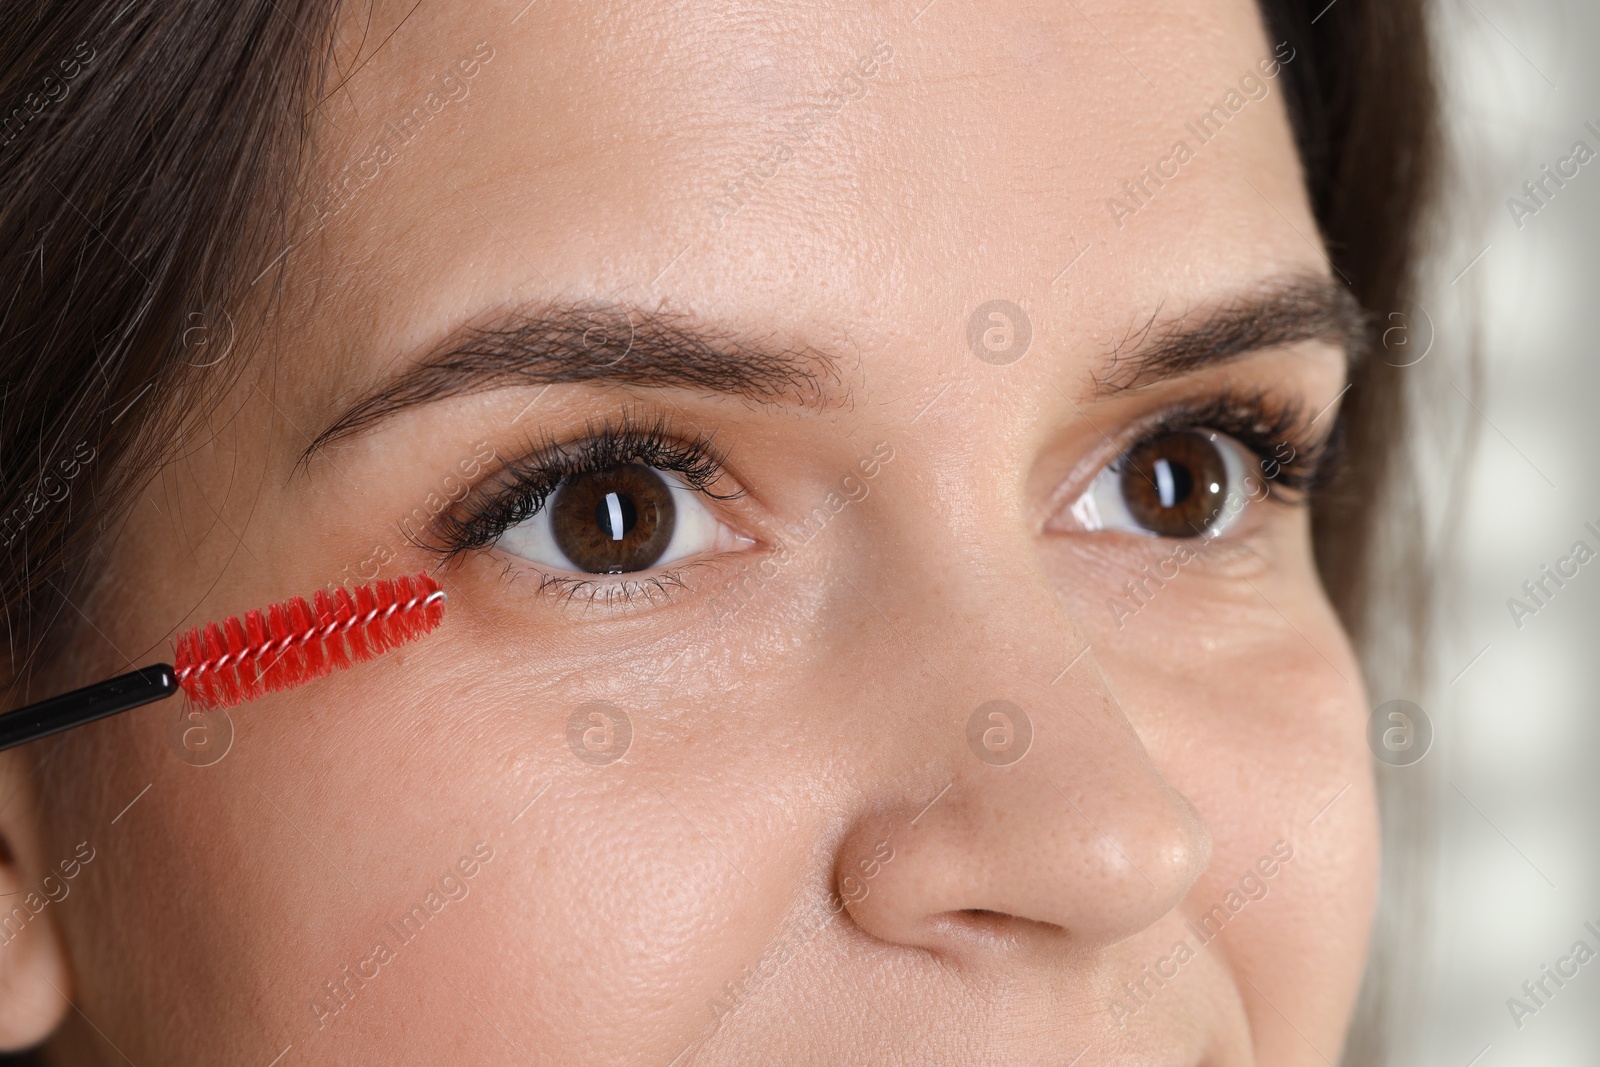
148,155
1363,100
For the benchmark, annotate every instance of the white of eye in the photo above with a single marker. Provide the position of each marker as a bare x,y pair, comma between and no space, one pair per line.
1103,507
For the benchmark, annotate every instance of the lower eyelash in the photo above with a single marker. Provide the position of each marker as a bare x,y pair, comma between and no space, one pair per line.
597,589
569,589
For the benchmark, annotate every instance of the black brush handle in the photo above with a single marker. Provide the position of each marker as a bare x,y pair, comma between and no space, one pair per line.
122,693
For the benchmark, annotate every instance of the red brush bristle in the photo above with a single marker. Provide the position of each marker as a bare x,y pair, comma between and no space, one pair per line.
294,642
255,629
249,684
355,636
326,615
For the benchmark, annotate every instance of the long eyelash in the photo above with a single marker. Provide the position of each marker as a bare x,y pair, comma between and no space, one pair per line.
1265,424
519,489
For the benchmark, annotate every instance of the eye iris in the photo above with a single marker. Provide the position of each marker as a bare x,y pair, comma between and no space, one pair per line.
613,521
1174,484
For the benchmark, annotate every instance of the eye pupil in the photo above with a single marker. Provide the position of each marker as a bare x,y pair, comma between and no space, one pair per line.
617,514
1173,483
613,521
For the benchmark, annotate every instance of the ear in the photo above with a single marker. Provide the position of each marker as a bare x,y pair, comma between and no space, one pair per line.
34,981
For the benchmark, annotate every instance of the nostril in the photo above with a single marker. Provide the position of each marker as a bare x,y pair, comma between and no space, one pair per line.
982,922
996,924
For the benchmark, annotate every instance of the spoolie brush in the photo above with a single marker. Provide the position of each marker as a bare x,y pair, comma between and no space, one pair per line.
294,642
226,664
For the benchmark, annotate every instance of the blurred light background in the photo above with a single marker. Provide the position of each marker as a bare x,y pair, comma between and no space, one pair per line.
1515,709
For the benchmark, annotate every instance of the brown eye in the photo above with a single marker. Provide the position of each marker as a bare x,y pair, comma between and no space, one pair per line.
1175,484
613,521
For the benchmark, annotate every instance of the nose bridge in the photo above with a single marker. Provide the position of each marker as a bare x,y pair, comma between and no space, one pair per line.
991,589
1051,810
998,636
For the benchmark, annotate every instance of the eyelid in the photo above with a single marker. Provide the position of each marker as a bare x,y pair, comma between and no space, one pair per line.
518,488
1293,456
1296,453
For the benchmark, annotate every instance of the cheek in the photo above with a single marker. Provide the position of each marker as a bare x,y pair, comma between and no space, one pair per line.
1269,755
333,813
336,811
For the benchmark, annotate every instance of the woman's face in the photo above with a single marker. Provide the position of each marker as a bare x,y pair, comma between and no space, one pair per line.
862,447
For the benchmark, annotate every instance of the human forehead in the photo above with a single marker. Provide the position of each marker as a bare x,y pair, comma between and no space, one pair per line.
796,165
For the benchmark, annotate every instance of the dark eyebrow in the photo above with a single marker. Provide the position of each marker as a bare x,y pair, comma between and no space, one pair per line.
1281,311
617,344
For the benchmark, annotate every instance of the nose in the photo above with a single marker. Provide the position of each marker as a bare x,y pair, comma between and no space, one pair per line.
1044,823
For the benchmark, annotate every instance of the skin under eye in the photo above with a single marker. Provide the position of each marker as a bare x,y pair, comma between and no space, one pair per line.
1185,483
627,518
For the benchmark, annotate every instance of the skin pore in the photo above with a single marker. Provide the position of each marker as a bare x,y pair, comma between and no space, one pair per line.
649,222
